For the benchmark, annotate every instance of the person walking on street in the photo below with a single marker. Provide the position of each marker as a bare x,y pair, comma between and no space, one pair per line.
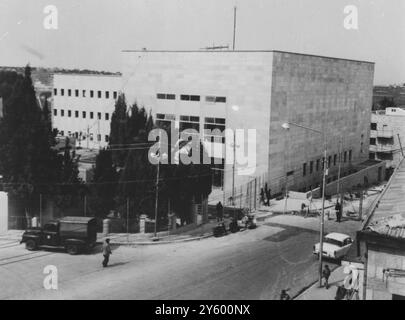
338,209
262,201
220,211
326,275
268,196
106,252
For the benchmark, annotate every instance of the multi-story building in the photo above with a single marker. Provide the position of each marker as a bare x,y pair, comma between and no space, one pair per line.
387,134
83,105
261,90
396,94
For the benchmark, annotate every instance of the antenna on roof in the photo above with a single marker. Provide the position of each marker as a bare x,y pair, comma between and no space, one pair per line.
214,47
234,27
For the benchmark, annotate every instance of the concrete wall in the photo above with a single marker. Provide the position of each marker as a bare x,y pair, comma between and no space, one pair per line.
386,140
326,94
94,127
3,212
244,78
378,288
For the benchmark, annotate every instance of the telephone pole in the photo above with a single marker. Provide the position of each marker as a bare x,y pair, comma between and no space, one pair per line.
234,28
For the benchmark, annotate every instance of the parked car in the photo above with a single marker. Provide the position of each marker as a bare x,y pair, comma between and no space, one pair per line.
75,234
335,245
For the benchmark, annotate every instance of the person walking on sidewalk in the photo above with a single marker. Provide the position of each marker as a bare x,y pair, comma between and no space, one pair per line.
262,201
106,252
220,211
338,209
284,295
326,275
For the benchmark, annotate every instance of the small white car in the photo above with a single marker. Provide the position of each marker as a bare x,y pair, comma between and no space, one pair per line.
335,245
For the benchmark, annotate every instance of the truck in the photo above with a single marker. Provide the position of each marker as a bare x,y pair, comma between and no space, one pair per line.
74,234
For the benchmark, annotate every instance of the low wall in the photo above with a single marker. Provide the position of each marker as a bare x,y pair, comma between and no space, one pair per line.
371,174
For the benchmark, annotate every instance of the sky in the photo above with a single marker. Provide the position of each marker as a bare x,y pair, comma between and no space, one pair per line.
91,33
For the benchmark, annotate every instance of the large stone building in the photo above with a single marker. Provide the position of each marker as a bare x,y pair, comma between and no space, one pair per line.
83,105
262,90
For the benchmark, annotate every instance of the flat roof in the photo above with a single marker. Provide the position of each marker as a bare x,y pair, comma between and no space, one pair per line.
251,51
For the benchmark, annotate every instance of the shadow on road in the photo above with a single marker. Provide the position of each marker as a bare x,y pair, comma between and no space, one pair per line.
288,232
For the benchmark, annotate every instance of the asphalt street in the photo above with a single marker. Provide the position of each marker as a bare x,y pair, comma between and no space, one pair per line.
252,264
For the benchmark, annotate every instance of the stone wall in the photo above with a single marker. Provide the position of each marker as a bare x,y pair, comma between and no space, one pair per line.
378,286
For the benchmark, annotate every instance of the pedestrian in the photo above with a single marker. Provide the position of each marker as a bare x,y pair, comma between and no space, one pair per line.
268,196
220,210
284,295
262,201
326,275
338,209
106,252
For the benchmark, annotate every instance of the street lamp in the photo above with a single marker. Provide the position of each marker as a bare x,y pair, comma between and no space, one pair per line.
286,126
159,157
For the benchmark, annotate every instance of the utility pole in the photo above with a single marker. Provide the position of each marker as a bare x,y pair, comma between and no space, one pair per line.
40,210
85,206
88,136
128,219
234,27
400,145
322,215
233,168
361,204
340,161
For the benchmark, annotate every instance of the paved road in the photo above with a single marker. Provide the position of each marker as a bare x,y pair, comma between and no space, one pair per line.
253,264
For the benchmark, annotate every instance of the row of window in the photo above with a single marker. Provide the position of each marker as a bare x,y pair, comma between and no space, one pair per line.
83,136
329,163
107,95
189,97
77,114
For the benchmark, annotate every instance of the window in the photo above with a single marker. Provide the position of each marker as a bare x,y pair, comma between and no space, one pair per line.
55,112
373,141
167,96
345,157
107,94
99,137
317,164
62,113
76,93
350,155
91,93
189,122
311,167
55,91
91,137
323,163
76,134
215,129
187,97
304,169
91,115
213,99
334,159
115,94
373,126
62,92
164,120
99,94
84,93
329,161
69,92
84,114
107,116
69,113
76,114
106,138
99,115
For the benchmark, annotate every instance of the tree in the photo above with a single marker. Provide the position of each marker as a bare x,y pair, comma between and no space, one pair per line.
387,103
118,131
103,189
29,164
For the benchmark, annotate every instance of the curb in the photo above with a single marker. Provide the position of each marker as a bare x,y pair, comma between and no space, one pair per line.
146,243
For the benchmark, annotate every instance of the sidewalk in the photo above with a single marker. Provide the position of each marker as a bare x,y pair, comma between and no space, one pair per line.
316,293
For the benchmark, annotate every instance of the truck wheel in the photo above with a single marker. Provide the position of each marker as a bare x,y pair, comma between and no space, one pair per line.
72,249
31,245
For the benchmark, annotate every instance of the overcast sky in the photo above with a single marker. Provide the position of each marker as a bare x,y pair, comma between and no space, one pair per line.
92,33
